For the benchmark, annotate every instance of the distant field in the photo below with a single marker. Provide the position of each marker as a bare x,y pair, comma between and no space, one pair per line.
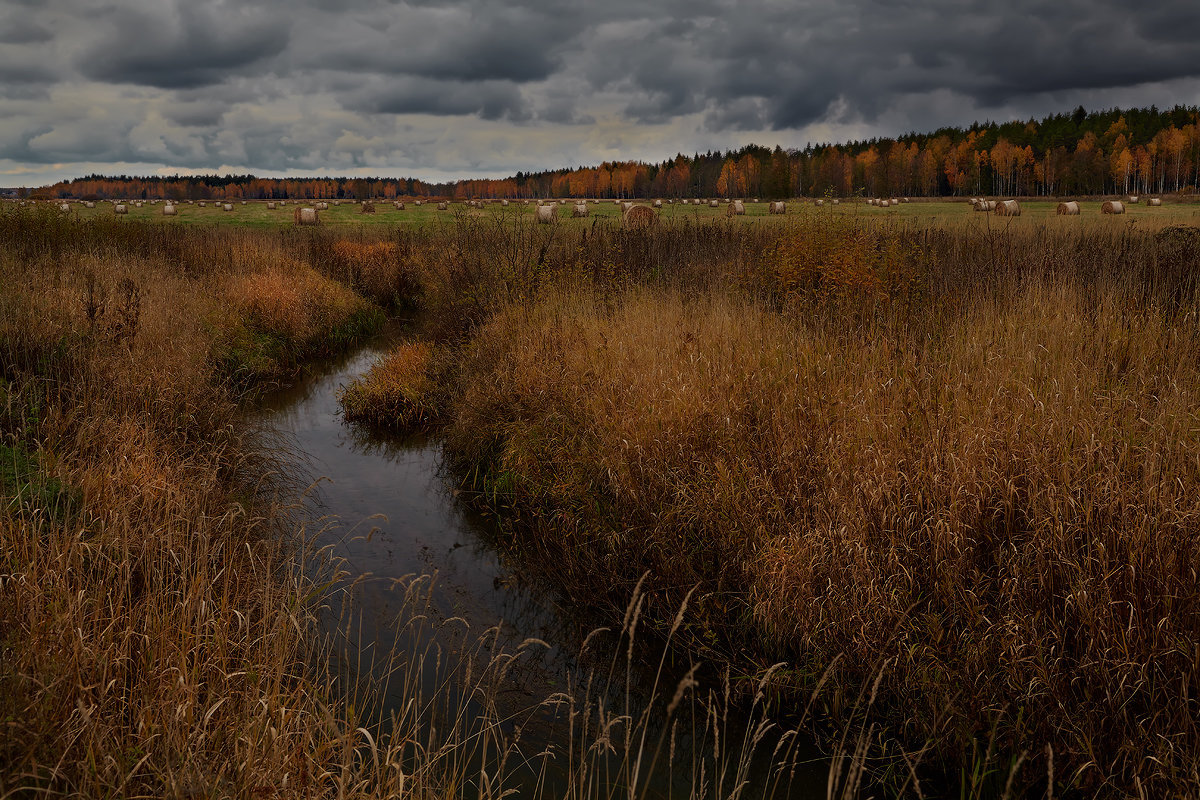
256,215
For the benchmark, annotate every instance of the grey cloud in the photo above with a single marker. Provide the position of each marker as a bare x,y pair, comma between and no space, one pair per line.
489,99
315,84
178,45
18,28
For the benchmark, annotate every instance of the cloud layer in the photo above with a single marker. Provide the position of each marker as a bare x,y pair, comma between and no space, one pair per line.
474,88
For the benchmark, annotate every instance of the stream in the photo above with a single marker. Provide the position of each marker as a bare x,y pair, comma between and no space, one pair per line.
385,507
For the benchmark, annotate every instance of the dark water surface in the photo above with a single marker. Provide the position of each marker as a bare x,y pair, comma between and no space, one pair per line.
384,505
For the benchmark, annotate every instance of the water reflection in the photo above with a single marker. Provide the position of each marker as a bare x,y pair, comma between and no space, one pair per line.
383,506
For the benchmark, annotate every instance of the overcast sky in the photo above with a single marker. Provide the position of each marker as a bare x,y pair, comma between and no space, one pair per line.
483,88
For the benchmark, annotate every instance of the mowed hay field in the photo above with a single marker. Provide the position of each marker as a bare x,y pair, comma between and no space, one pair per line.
255,213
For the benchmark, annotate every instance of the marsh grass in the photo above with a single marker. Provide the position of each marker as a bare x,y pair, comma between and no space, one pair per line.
164,614
931,488
950,472
155,625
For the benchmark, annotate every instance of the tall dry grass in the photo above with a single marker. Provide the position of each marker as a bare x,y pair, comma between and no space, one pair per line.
162,611
155,621
959,466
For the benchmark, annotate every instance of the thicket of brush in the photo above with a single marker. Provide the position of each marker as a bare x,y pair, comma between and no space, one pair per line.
955,469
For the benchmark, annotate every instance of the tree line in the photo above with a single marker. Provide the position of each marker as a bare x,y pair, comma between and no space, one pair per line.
1079,153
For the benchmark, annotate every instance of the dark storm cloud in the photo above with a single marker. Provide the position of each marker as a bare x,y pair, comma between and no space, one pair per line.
494,42
488,99
181,45
326,84
16,28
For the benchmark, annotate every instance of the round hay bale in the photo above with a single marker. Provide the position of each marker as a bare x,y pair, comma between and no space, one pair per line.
64,207
416,202
1008,208
168,210
616,202
367,208
1112,207
443,206
903,199
658,203
243,202
872,202
504,204
89,204
562,202
714,203
120,208
337,202
818,202
735,209
639,217
201,204
270,206
1133,198
778,207
306,216
399,206
227,207
626,206
835,201
581,210
1154,201
1068,209
546,214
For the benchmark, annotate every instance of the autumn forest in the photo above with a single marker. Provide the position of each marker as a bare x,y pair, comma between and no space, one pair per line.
1078,153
